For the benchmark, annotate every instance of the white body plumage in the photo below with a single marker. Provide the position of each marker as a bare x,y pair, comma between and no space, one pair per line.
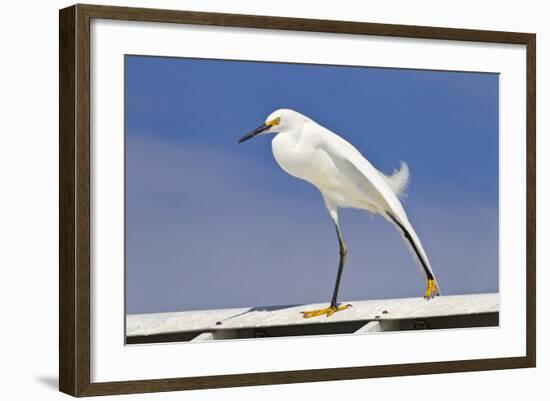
345,178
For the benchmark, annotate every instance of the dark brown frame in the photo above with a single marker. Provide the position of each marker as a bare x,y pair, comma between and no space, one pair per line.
74,199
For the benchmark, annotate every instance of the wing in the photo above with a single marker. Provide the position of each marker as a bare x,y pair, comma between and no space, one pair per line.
358,171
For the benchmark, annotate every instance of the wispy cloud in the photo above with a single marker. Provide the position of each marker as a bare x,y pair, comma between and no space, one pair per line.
207,228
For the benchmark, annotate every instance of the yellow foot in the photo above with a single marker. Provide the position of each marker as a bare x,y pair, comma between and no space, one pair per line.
431,291
326,311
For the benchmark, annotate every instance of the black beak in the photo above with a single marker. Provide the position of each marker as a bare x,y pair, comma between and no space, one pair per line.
252,134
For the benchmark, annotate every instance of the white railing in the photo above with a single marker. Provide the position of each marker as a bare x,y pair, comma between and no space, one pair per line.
365,316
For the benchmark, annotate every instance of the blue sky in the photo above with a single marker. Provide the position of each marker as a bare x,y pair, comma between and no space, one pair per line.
212,224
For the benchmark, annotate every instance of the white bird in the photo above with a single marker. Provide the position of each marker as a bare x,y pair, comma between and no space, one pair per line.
345,178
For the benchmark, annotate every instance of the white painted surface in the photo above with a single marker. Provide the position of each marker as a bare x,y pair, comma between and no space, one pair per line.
377,326
212,335
387,309
207,336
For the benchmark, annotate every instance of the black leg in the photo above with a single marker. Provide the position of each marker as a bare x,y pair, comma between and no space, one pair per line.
343,253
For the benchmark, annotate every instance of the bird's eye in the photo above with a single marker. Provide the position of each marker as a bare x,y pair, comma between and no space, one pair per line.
277,120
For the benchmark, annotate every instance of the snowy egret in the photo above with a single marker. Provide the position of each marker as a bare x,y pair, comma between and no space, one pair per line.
309,151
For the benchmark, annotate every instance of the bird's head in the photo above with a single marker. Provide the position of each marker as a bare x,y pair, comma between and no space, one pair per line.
279,121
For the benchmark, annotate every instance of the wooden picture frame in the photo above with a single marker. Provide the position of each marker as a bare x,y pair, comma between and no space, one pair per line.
74,203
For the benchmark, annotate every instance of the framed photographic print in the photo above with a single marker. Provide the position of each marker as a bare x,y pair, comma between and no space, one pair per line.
238,190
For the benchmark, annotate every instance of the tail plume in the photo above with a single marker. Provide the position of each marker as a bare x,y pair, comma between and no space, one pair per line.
399,180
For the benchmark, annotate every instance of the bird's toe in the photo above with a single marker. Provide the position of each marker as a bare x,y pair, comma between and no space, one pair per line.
329,311
432,290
